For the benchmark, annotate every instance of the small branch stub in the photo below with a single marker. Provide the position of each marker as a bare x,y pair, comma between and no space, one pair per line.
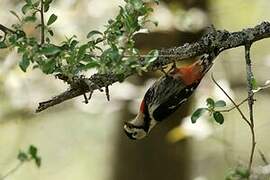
107,91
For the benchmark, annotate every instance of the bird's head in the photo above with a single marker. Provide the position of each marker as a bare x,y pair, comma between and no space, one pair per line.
135,132
139,127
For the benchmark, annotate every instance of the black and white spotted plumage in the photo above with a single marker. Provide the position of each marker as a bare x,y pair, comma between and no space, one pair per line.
166,95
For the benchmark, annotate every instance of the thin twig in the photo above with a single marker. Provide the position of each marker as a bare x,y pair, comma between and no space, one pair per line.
250,78
228,96
90,95
42,22
250,123
228,110
263,158
85,99
12,171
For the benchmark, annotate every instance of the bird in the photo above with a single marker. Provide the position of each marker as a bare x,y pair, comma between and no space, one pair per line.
166,95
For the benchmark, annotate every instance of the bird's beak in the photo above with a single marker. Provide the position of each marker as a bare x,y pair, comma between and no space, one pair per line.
129,135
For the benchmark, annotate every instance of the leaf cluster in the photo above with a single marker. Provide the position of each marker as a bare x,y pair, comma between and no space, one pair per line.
111,51
212,108
239,173
30,155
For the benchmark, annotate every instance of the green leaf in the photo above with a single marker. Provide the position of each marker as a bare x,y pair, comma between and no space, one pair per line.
197,114
28,1
151,56
38,161
13,39
73,43
24,63
48,67
32,151
137,4
92,33
218,117
90,65
210,103
120,77
50,32
22,156
47,5
50,50
242,171
36,4
82,51
30,19
239,173
15,14
98,40
52,19
26,8
2,45
232,175
254,83
220,103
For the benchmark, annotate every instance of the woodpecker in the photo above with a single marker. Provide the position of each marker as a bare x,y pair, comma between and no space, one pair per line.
166,95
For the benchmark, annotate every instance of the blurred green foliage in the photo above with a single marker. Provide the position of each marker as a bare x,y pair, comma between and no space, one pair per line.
111,51
30,155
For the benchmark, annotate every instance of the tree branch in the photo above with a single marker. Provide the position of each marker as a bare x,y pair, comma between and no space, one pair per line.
42,37
5,29
250,79
215,41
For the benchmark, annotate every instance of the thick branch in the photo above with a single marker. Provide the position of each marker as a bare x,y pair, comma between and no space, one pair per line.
215,41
